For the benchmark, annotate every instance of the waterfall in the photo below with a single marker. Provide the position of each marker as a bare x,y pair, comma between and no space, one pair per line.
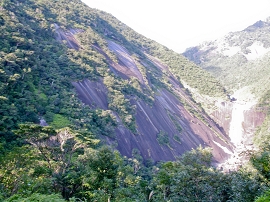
236,127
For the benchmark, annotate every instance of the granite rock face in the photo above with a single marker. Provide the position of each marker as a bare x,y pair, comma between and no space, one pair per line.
166,115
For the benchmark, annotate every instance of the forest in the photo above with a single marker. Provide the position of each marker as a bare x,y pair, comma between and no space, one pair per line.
68,160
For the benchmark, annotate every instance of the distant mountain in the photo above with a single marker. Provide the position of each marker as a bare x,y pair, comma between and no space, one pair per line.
239,59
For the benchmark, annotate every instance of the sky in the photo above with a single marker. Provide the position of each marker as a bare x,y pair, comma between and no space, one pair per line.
180,24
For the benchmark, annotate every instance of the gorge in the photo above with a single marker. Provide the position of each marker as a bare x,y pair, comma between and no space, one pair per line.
91,110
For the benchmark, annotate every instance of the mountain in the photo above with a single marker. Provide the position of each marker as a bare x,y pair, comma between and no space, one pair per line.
70,65
90,110
237,60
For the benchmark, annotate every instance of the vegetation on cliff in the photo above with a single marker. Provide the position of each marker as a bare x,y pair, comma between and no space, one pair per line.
67,160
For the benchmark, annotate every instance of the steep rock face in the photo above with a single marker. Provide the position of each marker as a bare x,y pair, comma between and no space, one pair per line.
166,114
126,64
223,115
68,36
242,137
165,129
247,124
252,119
171,125
93,94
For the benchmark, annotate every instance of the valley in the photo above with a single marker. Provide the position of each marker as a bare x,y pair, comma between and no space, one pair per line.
91,110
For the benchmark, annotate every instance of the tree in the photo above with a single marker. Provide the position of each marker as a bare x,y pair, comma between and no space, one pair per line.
190,178
264,198
59,151
36,197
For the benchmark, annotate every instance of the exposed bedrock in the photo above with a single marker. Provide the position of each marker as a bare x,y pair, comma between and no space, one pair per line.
252,119
67,36
223,115
239,121
164,116
167,116
241,125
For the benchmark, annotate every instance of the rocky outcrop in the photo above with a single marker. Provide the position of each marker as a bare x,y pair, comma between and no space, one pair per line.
164,116
93,94
253,118
167,116
240,120
42,122
223,115
67,36
126,64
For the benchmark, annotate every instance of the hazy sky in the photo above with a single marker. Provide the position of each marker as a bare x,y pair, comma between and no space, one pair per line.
179,24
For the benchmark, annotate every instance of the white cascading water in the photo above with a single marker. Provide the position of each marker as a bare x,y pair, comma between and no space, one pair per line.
245,101
236,126
236,129
236,134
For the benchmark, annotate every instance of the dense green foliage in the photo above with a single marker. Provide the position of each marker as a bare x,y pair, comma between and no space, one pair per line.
66,160
36,197
80,171
36,72
264,198
163,138
191,178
